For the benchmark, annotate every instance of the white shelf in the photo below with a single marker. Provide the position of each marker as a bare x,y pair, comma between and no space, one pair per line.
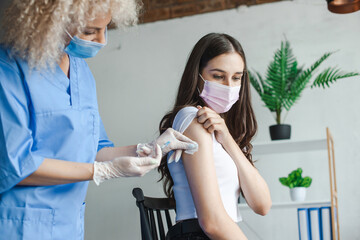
287,146
306,204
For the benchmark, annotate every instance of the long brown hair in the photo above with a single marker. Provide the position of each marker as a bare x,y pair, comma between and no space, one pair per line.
240,119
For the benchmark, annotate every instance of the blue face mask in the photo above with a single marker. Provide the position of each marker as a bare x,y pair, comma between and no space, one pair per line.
82,48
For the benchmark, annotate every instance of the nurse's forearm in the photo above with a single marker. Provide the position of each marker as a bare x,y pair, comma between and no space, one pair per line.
109,153
54,172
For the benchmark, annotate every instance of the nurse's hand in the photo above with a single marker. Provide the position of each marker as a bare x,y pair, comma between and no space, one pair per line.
126,166
170,140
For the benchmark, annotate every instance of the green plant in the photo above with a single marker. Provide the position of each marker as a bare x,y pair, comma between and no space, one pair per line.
295,179
285,80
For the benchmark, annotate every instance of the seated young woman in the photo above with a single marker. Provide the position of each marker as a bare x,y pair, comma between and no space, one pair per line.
213,107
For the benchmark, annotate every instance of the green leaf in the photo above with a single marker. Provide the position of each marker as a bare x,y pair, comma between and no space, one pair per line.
306,182
303,79
284,81
279,70
295,179
292,176
255,83
299,183
330,75
284,181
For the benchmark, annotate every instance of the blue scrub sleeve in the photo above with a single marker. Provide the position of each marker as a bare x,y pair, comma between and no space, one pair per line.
103,138
16,158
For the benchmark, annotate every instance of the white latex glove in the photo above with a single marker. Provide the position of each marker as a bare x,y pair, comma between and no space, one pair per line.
170,140
126,166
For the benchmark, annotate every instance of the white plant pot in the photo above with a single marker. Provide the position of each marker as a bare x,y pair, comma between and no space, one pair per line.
298,194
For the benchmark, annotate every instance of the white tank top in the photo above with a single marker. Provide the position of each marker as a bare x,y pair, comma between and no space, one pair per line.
226,173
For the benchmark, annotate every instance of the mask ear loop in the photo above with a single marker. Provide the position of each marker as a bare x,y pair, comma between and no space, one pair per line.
106,35
69,34
202,77
198,87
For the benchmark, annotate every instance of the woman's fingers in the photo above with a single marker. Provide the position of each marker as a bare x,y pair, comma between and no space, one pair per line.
211,121
206,115
212,129
203,110
203,118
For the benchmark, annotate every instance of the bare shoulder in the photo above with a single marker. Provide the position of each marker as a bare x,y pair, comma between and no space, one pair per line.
197,132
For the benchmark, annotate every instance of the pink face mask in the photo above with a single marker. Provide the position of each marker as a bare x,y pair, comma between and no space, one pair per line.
218,97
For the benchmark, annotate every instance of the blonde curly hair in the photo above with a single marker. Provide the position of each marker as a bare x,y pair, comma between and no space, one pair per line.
35,29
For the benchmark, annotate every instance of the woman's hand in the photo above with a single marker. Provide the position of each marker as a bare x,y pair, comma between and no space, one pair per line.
213,123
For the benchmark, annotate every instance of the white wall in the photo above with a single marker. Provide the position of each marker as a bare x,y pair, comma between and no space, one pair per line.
138,82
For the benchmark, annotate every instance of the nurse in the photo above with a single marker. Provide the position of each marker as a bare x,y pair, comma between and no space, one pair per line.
52,139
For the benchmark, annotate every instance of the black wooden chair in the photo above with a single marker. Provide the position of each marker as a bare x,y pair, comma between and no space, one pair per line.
149,207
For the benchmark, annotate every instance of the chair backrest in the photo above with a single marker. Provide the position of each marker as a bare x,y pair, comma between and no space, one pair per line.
149,208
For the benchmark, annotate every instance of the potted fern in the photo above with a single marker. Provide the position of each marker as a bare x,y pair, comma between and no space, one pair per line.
297,184
284,82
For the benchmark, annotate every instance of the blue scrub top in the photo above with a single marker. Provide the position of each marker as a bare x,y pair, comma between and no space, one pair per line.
44,114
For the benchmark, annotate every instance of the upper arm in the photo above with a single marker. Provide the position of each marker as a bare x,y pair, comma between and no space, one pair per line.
201,173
